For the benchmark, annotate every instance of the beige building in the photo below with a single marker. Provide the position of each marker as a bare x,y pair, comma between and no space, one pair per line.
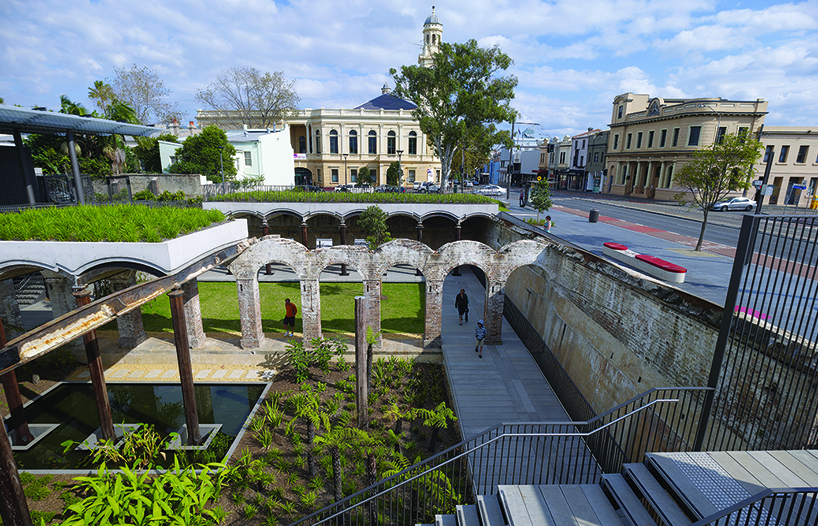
795,162
652,138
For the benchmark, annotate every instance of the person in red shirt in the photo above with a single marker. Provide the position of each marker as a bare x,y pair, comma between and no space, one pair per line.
289,316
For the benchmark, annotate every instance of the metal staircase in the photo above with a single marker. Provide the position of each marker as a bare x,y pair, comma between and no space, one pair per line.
29,289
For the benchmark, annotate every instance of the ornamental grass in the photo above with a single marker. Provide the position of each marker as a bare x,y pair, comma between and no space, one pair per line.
350,197
128,223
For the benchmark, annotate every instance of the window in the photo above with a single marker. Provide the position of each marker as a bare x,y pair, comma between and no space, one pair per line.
720,135
693,135
628,141
650,139
638,140
318,174
782,158
353,175
390,143
437,176
248,158
373,142
551,158
669,176
317,141
743,131
768,152
619,112
616,142
335,175
662,138
802,154
172,159
413,143
562,157
596,157
353,141
675,137
302,144
411,176
333,141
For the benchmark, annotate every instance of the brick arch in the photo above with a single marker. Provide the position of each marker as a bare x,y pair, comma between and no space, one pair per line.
282,212
400,251
356,257
459,253
269,249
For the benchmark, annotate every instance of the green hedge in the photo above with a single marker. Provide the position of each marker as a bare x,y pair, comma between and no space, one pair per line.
127,223
351,197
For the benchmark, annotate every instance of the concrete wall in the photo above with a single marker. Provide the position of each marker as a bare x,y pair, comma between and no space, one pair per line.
190,184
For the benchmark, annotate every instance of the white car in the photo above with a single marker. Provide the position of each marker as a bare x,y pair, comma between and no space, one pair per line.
736,203
492,190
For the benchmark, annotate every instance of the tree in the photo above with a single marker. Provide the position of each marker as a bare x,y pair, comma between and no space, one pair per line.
365,176
394,174
461,90
199,154
717,170
102,93
242,95
541,196
145,92
373,222
147,150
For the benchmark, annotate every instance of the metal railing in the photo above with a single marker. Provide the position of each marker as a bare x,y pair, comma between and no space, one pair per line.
781,507
660,420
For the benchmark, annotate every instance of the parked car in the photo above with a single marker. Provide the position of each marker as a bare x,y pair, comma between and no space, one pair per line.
491,190
427,188
467,184
343,188
736,203
310,188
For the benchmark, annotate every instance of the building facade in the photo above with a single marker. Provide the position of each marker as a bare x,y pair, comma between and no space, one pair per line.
652,138
596,174
577,179
794,153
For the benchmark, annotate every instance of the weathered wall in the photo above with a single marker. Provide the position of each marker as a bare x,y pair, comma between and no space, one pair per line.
190,184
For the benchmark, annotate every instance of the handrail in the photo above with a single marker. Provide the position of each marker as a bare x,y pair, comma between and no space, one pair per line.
758,497
342,504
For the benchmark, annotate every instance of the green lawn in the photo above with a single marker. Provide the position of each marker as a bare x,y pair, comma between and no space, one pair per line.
401,312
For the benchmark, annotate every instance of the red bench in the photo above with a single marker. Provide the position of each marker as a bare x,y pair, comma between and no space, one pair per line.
650,265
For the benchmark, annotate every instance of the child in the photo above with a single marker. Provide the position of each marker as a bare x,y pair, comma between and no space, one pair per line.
479,334
547,225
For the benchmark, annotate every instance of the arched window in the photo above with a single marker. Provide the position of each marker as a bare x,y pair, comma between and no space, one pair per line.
302,144
353,141
373,142
317,141
333,141
391,143
413,143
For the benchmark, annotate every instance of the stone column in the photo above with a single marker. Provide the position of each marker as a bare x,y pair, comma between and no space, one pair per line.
456,271
249,313
434,312
310,309
58,288
193,313
493,310
9,309
131,329
420,240
344,242
265,231
372,294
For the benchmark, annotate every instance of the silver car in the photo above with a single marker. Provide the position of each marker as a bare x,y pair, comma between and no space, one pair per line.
492,190
736,203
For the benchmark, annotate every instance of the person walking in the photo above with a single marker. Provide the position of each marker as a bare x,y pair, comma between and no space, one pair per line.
522,197
461,303
479,334
289,316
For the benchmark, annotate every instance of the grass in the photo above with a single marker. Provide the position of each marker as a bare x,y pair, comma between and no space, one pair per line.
128,223
402,311
348,197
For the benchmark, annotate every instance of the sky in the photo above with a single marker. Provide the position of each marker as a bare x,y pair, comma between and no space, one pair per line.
571,57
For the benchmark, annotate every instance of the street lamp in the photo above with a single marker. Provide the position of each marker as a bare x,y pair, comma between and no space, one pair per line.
718,126
221,164
345,167
400,168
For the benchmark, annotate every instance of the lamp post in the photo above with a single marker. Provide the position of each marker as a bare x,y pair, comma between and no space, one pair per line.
718,126
221,164
345,167
400,168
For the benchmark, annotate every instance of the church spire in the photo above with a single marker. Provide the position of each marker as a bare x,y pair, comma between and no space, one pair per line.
432,37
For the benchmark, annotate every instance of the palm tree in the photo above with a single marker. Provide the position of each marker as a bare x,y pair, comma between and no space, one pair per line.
436,418
103,94
334,441
307,407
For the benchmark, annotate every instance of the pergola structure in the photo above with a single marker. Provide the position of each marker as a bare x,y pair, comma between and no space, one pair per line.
17,121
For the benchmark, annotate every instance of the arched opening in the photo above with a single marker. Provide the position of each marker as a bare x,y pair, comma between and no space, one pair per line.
282,284
337,294
477,228
471,280
403,302
303,176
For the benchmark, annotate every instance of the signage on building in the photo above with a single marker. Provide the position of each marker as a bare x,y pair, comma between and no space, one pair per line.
300,156
799,187
757,183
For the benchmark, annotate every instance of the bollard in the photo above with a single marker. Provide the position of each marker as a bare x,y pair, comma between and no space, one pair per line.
593,216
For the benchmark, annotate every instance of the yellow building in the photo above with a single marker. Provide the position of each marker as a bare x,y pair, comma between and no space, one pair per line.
795,162
652,138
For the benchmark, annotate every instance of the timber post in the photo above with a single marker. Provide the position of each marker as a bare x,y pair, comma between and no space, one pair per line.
177,313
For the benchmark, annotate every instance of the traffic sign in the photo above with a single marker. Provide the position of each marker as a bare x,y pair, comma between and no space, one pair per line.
757,183
799,187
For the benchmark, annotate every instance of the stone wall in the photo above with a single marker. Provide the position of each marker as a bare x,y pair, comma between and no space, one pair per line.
190,184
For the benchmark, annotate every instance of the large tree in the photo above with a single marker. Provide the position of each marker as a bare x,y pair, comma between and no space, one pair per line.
199,154
145,92
460,91
715,171
102,94
245,96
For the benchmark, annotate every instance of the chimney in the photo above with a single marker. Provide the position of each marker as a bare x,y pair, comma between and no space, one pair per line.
191,126
174,127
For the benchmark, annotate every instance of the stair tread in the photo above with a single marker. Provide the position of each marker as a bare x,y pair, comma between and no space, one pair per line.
557,505
662,502
591,509
445,520
627,499
467,515
692,496
490,512
524,506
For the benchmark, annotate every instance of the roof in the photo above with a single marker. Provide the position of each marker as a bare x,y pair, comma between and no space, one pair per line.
432,19
387,101
13,118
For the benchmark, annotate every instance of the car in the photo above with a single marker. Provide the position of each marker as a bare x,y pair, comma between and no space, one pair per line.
343,188
735,203
310,188
426,187
467,184
491,189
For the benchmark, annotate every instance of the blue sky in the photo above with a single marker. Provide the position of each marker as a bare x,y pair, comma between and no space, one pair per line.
571,57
